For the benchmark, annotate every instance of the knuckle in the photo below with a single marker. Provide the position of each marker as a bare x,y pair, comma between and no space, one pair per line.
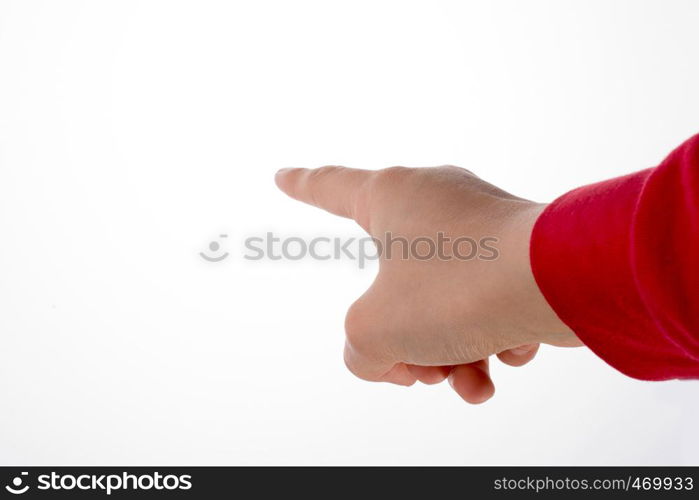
458,170
314,182
390,178
454,168
365,352
358,366
322,172
357,327
397,170
393,173
350,363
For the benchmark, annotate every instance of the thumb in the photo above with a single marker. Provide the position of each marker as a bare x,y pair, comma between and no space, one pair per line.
335,189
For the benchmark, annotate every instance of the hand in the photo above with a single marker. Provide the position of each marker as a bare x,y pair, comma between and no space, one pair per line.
429,317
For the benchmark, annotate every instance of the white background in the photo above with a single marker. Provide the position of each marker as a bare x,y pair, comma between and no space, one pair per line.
133,133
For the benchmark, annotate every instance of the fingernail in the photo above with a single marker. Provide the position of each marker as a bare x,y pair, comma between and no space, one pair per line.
282,170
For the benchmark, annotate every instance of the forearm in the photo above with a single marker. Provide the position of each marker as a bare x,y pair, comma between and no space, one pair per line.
616,261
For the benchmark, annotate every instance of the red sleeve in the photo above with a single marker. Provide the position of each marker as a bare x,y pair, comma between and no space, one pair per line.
619,263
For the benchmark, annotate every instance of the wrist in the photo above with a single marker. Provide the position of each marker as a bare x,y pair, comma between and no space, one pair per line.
542,324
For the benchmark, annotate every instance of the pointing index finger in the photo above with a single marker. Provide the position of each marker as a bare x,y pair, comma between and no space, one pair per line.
339,190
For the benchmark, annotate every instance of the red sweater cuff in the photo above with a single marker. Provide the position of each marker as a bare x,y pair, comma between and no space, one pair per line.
581,256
